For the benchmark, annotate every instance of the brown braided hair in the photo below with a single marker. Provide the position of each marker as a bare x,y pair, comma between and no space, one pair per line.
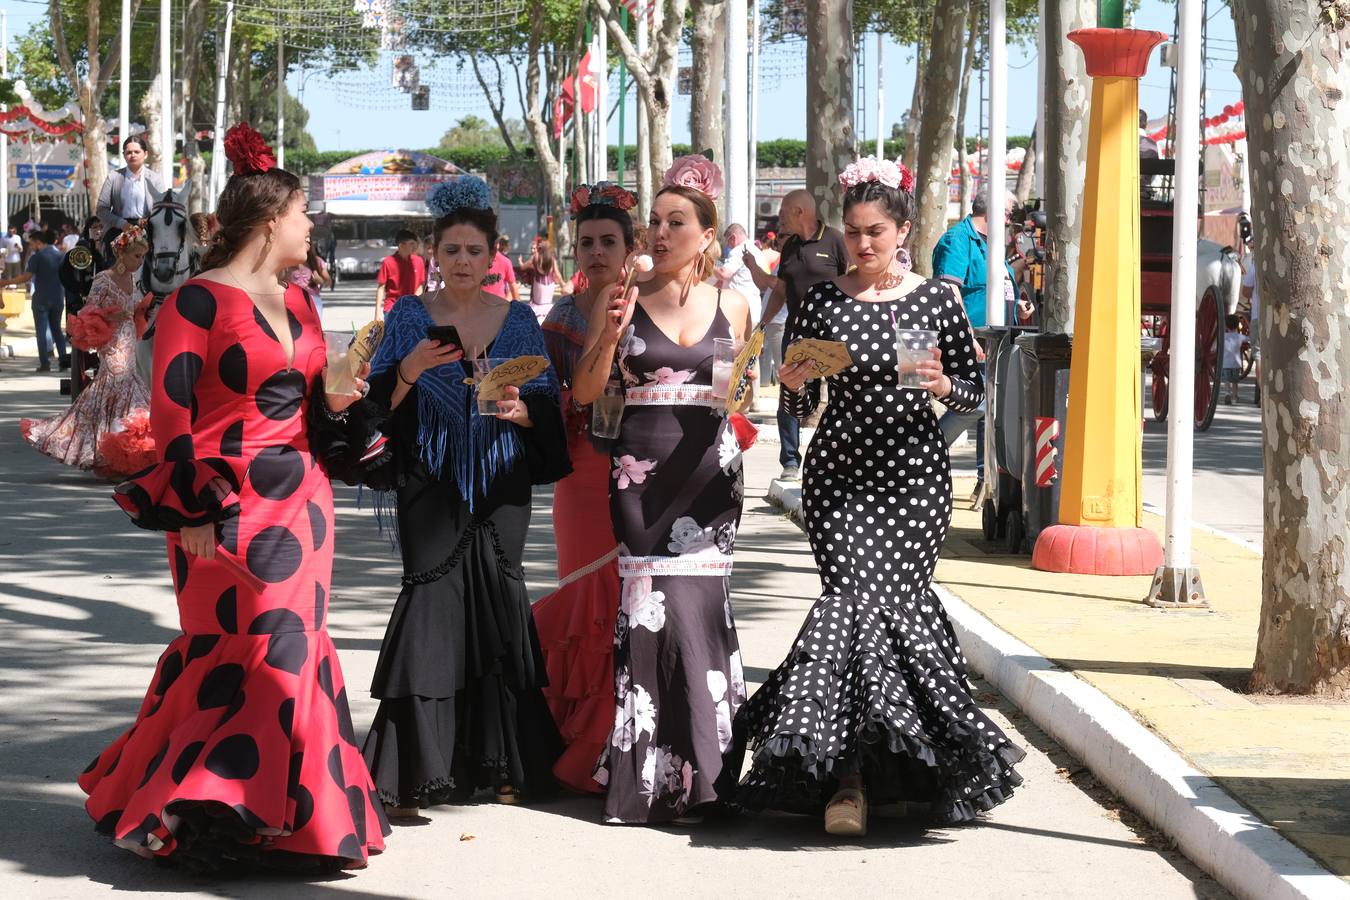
247,202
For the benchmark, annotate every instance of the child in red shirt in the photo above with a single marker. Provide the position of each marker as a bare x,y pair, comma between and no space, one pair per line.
402,272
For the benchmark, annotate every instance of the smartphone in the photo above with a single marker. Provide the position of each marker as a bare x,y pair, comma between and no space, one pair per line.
445,335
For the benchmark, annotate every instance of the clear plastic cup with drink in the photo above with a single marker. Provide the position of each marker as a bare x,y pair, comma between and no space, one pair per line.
607,411
487,399
913,346
725,351
338,377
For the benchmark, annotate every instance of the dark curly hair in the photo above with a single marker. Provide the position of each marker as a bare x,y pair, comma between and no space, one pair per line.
897,203
485,220
247,202
597,211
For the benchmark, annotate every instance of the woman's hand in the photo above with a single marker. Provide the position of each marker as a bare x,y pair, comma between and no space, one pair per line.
339,402
513,409
616,309
428,354
199,540
795,375
931,376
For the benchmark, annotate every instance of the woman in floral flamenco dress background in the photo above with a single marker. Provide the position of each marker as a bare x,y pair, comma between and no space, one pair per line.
73,437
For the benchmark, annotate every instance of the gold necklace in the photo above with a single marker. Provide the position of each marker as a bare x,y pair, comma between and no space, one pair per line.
239,284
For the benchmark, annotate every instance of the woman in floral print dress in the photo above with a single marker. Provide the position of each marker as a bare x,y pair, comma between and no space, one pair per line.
675,499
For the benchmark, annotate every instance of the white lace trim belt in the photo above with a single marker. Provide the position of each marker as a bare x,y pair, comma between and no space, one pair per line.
690,564
588,569
673,395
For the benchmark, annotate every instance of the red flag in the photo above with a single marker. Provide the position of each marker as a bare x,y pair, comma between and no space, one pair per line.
562,107
589,83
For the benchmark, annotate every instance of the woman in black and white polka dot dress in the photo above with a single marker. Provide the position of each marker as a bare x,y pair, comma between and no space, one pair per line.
872,702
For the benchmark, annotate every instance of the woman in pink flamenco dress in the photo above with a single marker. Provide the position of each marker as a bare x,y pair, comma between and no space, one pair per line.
576,621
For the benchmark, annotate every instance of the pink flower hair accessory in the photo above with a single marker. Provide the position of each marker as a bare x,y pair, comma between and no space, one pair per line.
697,172
870,168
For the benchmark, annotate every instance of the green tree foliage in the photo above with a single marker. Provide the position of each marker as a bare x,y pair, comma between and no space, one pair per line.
474,132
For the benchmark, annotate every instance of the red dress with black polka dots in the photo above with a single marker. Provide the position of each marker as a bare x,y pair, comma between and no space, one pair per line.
243,750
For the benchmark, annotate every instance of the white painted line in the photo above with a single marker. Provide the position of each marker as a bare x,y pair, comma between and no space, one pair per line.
1217,532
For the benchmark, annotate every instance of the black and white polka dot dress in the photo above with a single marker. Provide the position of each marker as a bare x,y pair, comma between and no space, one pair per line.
875,682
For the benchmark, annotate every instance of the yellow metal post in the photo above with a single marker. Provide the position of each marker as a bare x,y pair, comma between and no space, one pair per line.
1101,489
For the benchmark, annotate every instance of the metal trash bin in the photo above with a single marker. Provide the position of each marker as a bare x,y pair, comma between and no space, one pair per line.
1044,359
1002,434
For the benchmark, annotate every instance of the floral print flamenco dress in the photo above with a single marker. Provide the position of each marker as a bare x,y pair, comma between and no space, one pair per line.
675,499
243,750
875,683
73,436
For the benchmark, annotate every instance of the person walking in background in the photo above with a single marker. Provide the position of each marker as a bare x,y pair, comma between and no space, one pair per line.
312,276
814,252
734,272
11,248
1231,371
126,195
544,277
49,298
959,259
1252,293
402,273
501,275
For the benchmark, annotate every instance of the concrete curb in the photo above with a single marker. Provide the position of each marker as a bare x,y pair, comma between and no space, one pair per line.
1215,831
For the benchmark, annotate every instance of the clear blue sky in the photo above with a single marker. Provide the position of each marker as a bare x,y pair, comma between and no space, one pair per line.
341,118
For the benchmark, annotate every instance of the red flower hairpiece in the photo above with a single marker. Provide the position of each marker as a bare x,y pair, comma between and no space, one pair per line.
247,150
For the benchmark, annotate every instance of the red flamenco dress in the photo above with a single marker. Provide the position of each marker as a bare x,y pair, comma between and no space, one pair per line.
243,752
576,622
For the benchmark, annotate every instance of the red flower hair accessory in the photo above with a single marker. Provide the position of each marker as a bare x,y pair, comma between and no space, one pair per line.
602,193
247,150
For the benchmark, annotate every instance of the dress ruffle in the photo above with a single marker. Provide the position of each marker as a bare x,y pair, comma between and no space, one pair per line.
861,692
243,753
576,634
180,494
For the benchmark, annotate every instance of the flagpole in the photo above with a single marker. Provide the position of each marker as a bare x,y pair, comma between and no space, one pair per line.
218,136
600,66
623,100
4,139
166,93
753,137
737,203
124,84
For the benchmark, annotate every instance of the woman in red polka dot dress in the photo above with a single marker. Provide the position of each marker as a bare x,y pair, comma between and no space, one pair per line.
243,752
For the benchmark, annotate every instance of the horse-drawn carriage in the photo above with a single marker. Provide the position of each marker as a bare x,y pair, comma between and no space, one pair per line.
1218,276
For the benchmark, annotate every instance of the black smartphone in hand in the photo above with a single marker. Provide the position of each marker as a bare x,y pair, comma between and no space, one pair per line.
445,335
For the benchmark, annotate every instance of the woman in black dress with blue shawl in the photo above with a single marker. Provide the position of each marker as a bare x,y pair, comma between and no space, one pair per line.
460,672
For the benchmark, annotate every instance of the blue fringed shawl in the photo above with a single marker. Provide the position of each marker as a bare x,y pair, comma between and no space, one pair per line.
452,440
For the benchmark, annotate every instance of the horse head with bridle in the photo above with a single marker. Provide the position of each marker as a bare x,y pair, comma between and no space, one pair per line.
169,263
172,239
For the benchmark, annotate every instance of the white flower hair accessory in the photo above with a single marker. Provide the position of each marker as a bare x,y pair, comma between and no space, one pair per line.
870,168
465,192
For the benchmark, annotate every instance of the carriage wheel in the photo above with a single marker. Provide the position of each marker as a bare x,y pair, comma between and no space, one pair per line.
1208,356
1158,366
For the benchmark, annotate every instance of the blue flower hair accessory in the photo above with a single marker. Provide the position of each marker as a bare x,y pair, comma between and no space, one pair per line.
465,192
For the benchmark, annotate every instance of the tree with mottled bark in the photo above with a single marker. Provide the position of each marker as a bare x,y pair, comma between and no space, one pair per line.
1026,176
654,73
708,52
967,69
937,132
99,58
1294,64
1068,104
550,163
831,140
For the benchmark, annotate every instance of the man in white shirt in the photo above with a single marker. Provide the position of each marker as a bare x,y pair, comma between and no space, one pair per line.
11,247
126,195
733,272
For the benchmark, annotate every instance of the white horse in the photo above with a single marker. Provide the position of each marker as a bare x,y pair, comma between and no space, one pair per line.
169,262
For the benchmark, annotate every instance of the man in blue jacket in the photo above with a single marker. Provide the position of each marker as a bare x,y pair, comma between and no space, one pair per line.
960,259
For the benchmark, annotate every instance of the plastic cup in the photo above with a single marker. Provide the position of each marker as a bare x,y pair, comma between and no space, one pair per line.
913,346
487,400
724,360
607,412
337,376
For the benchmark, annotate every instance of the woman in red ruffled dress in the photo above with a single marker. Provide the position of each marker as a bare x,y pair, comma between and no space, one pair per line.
78,436
243,753
576,621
